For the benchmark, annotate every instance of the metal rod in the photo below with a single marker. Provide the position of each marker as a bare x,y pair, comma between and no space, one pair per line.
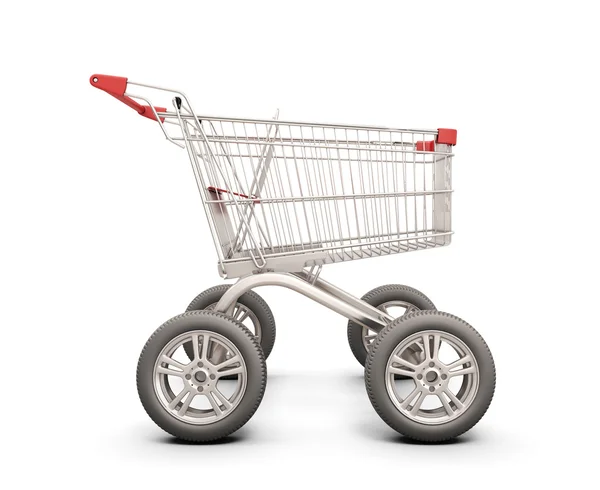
353,312
254,200
431,132
344,296
359,245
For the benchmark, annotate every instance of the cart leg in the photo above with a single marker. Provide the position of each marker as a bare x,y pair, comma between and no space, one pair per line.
322,292
345,296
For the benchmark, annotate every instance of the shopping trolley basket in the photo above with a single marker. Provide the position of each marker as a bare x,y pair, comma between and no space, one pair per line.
283,199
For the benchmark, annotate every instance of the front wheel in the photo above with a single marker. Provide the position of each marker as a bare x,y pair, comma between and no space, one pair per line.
191,398
442,395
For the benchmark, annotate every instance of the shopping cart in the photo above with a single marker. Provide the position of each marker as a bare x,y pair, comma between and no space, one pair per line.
283,199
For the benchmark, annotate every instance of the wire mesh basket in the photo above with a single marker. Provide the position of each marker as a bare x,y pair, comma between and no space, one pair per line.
286,195
283,195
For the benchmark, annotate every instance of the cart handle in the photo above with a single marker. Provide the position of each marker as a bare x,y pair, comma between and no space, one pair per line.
116,86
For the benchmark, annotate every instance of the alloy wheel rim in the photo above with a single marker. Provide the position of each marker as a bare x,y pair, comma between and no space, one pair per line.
195,392
444,381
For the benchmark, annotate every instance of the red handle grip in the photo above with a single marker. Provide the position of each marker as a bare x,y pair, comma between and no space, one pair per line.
116,86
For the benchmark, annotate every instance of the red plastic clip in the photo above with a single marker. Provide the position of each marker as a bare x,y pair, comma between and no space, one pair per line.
217,190
425,145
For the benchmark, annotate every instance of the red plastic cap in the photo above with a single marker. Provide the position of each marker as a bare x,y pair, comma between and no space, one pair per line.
116,86
113,85
425,145
446,136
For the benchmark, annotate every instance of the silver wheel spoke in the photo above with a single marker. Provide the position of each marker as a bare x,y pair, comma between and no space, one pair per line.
230,372
169,372
186,404
462,372
172,362
195,342
229,362
437,342
410,398
221,398
447,406
460,362
418,403
204,349
244,314
178,398
404,362
457,403
427,347
215,406
402,372
370,338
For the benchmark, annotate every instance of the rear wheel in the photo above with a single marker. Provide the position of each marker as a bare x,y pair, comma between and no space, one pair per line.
394,299
250,310
189,397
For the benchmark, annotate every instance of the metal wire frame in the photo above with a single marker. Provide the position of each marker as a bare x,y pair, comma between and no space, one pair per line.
283,195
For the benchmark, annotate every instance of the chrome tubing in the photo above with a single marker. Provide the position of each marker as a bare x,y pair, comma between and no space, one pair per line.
354,309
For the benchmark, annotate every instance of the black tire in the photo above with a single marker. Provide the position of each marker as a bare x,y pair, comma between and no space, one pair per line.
375,375
244,342
376,298
252,301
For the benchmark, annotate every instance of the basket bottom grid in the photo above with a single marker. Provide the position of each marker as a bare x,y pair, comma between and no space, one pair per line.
295,257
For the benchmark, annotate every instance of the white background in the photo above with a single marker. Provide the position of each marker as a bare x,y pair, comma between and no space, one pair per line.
103,237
